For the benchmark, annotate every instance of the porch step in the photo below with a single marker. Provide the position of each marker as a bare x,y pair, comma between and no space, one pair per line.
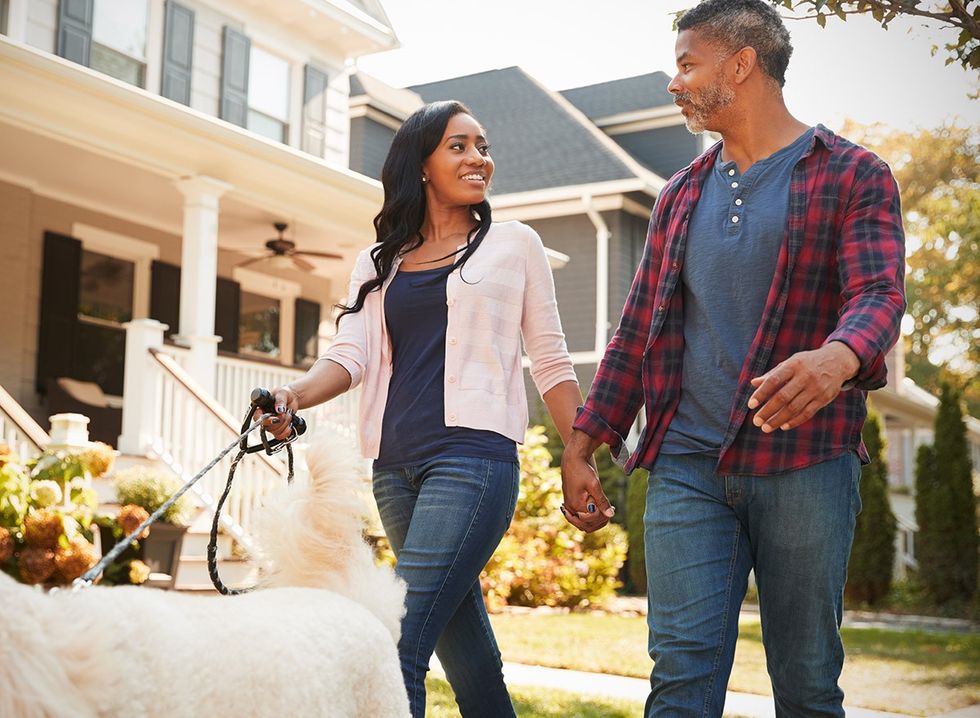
192,575
196,545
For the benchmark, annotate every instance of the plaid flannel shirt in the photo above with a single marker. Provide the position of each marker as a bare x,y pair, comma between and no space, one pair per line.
839,277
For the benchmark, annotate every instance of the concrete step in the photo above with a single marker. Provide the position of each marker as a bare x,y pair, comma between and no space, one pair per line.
192,574
196,545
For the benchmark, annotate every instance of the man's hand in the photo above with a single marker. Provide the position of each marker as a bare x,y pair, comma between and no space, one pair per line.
581,487
793,391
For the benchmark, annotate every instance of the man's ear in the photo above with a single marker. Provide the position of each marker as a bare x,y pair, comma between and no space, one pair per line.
745,62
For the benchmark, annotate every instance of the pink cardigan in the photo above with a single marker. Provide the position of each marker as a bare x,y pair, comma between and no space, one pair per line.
506,292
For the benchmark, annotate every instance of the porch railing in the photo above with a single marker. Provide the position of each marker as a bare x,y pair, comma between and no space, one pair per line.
18,430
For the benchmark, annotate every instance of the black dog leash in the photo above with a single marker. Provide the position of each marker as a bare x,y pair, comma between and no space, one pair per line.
262,400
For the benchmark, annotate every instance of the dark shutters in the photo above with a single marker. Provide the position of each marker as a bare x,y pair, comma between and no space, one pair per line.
75,30
314,110
307,330
58,328
178,51
234,76
165,295
226,314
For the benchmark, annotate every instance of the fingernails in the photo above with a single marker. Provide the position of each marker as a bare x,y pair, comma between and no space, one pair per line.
610,512
766,429
784,427
562,509
757,421
280,409
590,507
753,402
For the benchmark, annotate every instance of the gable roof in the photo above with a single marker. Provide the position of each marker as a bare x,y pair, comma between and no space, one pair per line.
395,101
629,94
539,139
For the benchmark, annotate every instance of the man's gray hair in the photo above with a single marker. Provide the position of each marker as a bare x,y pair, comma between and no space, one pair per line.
744,23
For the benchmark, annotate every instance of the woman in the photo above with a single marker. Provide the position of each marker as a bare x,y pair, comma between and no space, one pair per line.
432,331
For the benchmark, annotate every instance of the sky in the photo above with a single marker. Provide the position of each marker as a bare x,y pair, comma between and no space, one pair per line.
852,69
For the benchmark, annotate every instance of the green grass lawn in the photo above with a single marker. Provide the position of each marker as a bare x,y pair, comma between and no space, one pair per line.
535,703
902,671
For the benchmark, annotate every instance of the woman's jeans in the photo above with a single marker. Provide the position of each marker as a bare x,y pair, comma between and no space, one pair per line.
704,532
444,518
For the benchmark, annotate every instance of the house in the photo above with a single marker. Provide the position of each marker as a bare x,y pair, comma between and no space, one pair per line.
149,151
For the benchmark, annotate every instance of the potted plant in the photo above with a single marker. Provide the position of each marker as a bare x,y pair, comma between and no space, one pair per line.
148,489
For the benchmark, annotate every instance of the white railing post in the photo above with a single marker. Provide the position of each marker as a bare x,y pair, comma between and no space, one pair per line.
68,431
140,385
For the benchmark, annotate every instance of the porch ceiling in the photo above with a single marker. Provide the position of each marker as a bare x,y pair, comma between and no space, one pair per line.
75,135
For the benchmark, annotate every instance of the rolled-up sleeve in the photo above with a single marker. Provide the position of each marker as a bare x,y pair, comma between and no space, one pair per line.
349,347
871,263
541,329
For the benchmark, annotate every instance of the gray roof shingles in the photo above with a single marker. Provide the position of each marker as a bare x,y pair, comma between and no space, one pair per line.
536,142
617,96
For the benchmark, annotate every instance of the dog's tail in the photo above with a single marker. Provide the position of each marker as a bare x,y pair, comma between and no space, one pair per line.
312,535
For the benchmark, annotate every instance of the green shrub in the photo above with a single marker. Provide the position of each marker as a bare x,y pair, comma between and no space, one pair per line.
150,489
869,571
945,508
543,560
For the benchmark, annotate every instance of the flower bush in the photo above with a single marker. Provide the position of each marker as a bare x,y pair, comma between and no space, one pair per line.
543,560
150,489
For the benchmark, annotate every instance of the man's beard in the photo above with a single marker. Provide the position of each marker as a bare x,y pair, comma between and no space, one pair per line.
709,101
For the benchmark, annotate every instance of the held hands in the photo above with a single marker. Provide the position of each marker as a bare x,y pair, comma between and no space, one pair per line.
582,491
793,391
286,403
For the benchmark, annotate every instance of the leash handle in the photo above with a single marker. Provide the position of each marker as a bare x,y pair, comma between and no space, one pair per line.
262,400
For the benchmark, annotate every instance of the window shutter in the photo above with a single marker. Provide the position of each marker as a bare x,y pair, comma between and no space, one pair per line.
226,314
234,76
314,110
165,295
178,51
307,330
75,30
58,328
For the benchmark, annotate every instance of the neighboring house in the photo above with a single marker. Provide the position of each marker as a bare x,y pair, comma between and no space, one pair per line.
147,147
583,167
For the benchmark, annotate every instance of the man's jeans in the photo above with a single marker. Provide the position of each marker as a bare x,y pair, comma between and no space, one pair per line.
704,532
444,518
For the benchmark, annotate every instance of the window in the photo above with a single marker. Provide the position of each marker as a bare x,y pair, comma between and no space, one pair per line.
258,326
268,95
119,39
105,289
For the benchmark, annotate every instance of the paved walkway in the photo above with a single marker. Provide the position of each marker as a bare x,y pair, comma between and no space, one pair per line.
743,705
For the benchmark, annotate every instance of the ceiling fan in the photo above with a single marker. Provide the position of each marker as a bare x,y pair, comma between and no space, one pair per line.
286,255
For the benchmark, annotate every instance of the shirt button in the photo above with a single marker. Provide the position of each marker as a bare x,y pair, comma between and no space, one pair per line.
450,302
731,172
735,220
660,308
675,265
452,341
738,203
452,417
451,379
734,185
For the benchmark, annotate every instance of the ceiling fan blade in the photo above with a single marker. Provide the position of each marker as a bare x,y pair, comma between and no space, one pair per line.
253,260
302,264
324,255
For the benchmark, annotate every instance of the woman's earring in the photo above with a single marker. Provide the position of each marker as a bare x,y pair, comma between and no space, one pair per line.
424,179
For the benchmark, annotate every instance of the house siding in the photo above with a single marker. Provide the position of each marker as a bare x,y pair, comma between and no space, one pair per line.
369,144
664,150
575,284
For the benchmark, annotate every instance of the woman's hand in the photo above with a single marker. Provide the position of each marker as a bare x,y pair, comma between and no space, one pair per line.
286,402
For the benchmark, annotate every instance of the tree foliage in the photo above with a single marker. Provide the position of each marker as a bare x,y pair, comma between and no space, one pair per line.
938,173
869,571
946,508
961,17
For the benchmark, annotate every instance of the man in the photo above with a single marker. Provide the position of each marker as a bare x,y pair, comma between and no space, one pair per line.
770,289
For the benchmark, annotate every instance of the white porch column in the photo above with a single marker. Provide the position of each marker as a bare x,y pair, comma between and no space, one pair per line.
140,385
17,21
199,270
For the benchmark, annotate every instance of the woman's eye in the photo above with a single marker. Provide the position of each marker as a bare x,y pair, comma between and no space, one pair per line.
484,149
456,146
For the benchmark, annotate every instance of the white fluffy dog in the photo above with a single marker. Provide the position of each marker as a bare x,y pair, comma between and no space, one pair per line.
318,639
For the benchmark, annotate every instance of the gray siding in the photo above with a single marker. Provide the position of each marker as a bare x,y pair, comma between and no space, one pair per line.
206,70
625,250
664,150
575,282
369,143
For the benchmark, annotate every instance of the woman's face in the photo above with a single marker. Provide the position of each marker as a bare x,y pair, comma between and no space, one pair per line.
458,171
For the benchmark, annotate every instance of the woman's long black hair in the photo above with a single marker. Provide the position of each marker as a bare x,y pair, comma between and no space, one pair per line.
399,222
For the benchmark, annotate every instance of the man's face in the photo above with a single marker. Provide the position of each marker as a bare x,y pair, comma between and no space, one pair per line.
700,87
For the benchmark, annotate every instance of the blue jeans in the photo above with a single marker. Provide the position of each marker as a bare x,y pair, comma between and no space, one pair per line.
704,532
444,518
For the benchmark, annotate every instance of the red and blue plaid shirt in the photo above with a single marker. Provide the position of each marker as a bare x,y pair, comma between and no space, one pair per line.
839,277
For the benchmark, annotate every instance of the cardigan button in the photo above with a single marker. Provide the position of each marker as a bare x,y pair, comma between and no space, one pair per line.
451,379
450,302
452,417
452,341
